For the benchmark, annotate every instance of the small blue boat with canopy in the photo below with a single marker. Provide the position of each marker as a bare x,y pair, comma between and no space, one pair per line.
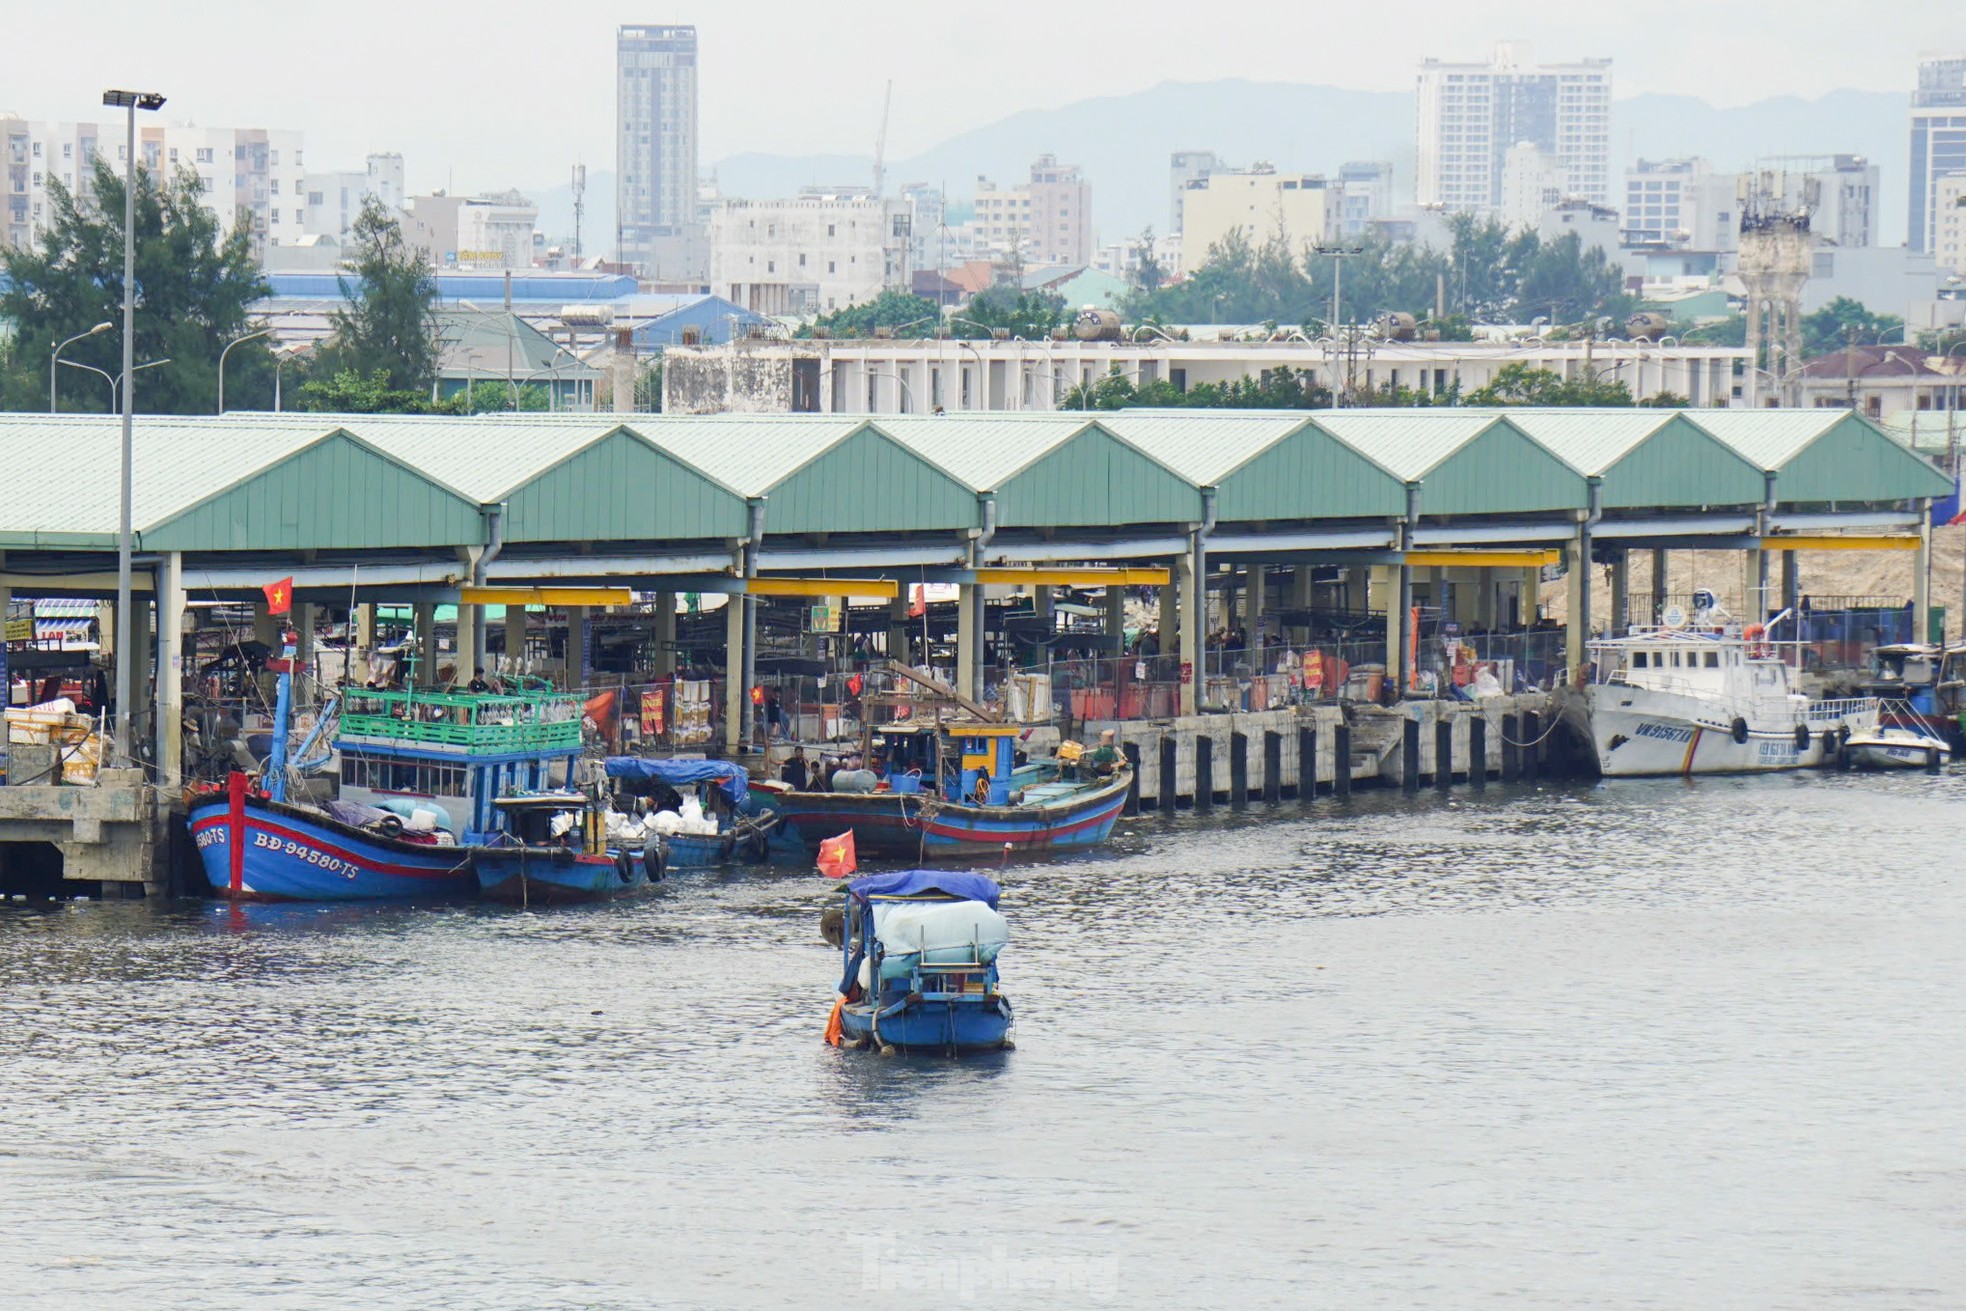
920,952
733,828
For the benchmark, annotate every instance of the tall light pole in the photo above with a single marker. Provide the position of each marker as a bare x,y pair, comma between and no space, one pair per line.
115,383
131,101
1339,254
221,362
56,357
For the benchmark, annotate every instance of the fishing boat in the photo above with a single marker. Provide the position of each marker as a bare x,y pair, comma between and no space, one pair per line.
420,774
1891,747
1921,686
738,829
954,787
1710,699
920,949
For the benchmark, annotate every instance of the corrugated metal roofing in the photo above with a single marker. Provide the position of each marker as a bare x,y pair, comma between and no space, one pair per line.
1646,457
1769,438
1266,465
1203,447
1820,456
1469,462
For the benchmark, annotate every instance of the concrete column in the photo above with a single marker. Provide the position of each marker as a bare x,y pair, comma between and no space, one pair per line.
1170,612
1231,598
515,640
968,637
1577,594
363,618
425,639
169,743
734,689
469,617
1300,599
1659,580
1532,594
898,628
1791,580
142,685
1189,590
664,634
1358,588
576,645
266,630
1384,588
1116,615
1258,581
306,616
1921,579
1621,569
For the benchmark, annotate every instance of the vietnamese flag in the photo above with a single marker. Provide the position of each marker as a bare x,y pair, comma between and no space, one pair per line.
279,596
836,858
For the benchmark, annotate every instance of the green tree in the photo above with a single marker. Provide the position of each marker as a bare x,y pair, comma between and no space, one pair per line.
890,309
195,285
1843,321
1275,389
390,323
1732,331
1148,277
1519,384
1029,315
348,392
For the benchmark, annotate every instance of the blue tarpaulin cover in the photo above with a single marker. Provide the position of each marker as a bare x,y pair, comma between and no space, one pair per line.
914,882
731,779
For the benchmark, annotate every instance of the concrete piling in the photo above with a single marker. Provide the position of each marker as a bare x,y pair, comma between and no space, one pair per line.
1272,766
1204,772
1444,755
1409,755
1341,753
1478,751
1307,762
1238,771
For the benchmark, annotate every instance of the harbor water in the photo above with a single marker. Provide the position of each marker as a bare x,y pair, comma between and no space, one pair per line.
1636,1045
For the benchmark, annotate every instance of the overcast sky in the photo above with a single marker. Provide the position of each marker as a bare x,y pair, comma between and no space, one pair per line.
500,93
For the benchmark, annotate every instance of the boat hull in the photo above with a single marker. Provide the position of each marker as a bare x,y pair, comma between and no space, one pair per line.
979,1025
294,855
1894,753
908,826
532,876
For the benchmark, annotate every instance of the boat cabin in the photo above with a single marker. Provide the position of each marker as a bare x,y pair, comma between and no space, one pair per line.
971,762
455,752
1708,665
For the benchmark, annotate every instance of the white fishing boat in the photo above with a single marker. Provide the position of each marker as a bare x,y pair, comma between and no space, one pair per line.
1711,698
1887,747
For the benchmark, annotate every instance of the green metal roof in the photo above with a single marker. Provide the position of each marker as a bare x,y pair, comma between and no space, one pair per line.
219,484
1646,457
1468,462
1265,466
565,478
1824,455
1064,470
821,473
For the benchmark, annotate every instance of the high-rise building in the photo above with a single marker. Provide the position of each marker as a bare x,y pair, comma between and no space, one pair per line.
1949,227
1471,114
1681,204
1185,167
657,224
813,254
1258,203
1532,185
1046,221
1366,190
1938,141
252,177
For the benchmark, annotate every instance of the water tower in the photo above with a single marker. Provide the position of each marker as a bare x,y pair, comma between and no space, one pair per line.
1774,261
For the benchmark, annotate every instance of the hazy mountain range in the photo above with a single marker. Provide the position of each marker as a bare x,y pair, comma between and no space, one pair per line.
1123,143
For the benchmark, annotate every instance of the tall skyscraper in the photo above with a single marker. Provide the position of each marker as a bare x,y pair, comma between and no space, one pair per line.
657,229
1938,141
1472,114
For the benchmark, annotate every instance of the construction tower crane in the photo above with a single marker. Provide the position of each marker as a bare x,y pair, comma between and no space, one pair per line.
880,143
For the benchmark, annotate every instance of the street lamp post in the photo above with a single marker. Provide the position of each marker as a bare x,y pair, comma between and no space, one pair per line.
1339,254
56,357
130,101
221,361
115,383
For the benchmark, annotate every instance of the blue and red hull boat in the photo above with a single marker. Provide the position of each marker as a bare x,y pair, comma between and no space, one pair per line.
258,849
556,876
908,825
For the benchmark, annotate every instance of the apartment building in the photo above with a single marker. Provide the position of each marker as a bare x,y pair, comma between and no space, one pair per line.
657,224
1048,220
813,253
1259,203
1470,114
1938,141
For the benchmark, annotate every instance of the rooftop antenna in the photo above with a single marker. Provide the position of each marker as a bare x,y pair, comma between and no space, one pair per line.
880,142
579,205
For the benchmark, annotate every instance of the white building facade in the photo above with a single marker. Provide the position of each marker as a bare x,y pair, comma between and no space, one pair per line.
657,226
1048,220
1682,204
1949,227
1938,141
811,254
1259,203
1471,114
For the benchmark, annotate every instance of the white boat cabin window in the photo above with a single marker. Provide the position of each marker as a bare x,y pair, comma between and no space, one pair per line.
403,776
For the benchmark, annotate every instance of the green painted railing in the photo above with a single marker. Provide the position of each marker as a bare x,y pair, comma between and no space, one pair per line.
479,724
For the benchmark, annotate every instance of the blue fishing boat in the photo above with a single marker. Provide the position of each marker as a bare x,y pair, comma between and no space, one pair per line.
956,787
420,776
553,850
723,791
920,948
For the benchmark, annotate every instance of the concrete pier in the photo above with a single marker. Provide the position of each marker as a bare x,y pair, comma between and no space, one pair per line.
115,833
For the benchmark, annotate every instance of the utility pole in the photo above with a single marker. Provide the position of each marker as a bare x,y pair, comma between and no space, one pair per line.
579,203
1339,254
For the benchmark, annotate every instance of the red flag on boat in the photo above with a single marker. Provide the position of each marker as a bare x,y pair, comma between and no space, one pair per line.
279,596
836,858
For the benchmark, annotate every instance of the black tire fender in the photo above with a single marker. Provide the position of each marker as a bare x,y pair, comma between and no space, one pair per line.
654,860
624,867
1740,730
1801,737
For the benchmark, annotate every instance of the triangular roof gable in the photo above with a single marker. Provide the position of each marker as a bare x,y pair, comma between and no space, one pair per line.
1501,470
1680,464
868,482
1308,473
1094,477
335,492
621,487
1851,460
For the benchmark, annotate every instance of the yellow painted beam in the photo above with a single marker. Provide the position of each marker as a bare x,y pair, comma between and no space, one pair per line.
1490,559
545,596
886,587
1823,542
1125,576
